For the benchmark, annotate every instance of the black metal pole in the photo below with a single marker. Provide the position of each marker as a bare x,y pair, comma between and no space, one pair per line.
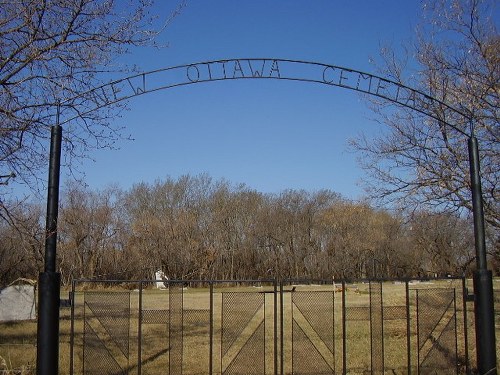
275,327
282,329
211,348
483,279
49,281
139,331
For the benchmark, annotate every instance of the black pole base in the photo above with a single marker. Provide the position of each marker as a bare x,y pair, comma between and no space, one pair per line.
485,323
47,358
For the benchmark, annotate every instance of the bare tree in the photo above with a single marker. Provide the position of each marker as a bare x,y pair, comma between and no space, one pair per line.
21,243
420,162
443,243
56,51
360,241
90,229
197,228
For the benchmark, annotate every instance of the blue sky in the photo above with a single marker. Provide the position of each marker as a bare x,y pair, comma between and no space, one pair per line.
270,135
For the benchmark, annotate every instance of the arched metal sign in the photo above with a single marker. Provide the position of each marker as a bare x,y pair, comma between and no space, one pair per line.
261,68
267,68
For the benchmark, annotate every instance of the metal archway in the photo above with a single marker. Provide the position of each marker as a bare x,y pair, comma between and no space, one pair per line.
265,68
259,68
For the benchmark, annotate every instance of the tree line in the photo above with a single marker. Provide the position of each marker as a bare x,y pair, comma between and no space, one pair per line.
195,227
53,56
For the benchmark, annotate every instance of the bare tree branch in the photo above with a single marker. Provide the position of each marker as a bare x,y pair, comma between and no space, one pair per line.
57,49
419,161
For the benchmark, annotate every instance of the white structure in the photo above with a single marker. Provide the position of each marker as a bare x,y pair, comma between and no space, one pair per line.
17,301
160,275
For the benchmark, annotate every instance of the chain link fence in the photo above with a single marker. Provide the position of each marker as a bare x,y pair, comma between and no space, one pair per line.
296,327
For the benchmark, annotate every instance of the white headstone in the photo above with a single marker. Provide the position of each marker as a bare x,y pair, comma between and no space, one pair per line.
17,302
160,275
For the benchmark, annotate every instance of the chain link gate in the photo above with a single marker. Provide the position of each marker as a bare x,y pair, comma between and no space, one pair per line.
106,333
312,332
436,331
188,328
255,327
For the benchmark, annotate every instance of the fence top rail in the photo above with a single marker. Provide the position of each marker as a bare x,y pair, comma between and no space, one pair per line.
368,280
174,281
270,281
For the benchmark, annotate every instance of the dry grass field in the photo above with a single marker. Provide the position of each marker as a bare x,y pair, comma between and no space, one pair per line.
18,345
244,329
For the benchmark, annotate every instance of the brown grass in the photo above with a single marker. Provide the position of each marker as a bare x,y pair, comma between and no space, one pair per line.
18,339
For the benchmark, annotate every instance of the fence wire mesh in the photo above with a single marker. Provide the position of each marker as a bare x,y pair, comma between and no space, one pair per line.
313,332
301,328
376,328
106,332
437,339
